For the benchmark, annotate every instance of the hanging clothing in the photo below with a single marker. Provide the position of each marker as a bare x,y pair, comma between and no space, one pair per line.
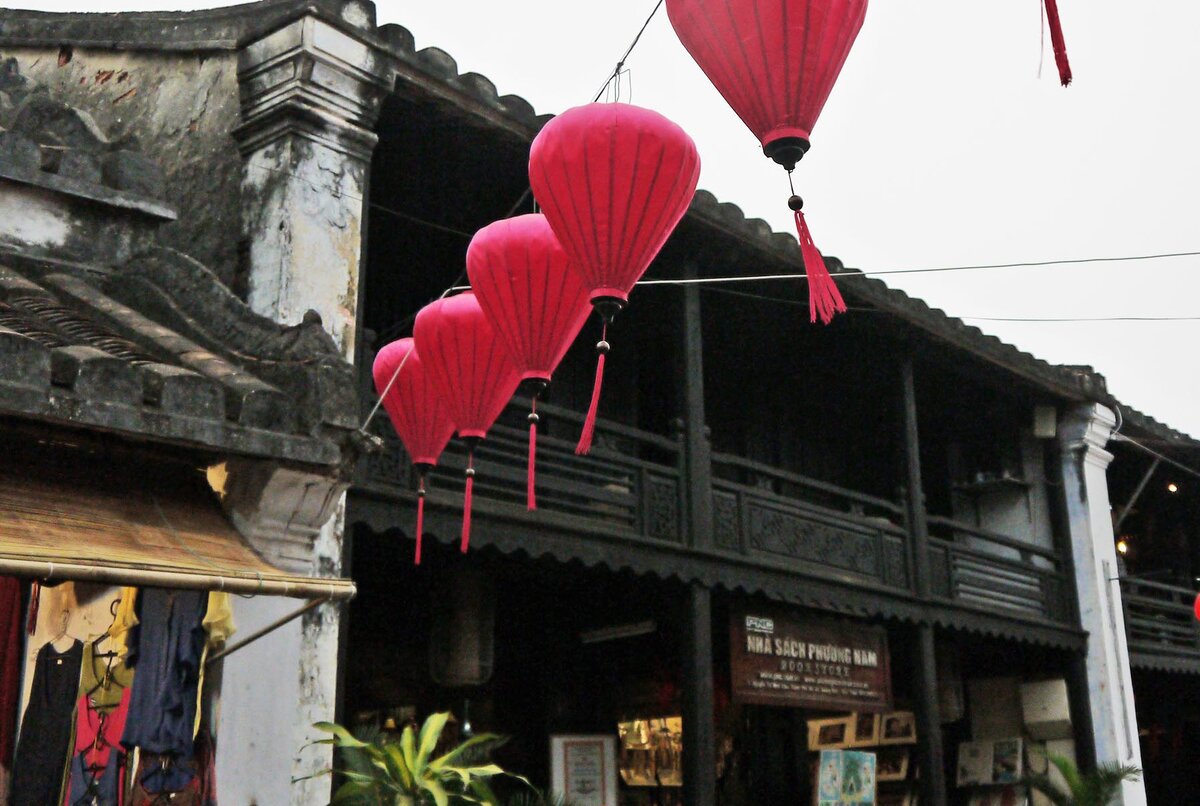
165,650
201,790
98,764
10,675
124,620
45,741
218,618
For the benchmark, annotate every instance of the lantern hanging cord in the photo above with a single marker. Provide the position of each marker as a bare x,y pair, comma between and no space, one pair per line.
621,62
383,394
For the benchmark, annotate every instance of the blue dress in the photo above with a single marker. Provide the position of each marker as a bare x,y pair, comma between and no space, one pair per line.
165,649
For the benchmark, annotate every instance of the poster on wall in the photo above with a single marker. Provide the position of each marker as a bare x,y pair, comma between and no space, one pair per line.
583,769
781,659
845,776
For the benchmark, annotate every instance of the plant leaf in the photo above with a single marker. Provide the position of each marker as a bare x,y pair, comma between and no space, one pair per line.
407,746
400,769
470,744
341,736
435,788
431,731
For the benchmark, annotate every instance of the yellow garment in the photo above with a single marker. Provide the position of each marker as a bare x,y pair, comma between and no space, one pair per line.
218,618
218,623
125,620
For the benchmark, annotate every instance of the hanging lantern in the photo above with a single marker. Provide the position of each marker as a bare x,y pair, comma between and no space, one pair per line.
421,421
534,301
775,63
1196,607
471,371
613,181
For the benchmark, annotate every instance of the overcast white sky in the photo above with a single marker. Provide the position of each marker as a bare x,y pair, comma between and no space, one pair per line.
939,146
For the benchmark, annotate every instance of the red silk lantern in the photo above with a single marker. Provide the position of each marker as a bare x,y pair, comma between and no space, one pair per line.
613,181
532,298
471,371
775,63
1196,607
421,421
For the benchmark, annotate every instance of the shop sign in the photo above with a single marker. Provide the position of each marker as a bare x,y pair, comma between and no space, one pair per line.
583,769
780,659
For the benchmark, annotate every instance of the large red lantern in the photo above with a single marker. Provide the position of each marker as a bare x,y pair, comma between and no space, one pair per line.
534,301
471,371
1196,607
421,421
775,62
613,180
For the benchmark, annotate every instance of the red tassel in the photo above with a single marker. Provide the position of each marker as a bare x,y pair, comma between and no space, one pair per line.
466,529
589,423
824,298
530,486
1060,45
420,517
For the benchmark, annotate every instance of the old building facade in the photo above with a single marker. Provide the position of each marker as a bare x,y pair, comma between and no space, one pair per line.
896,474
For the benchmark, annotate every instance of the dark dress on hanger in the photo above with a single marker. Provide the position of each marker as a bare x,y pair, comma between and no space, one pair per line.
44,744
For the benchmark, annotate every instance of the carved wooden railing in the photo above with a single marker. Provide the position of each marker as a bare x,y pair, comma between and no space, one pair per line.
1159,620
629,482
768,512
994,571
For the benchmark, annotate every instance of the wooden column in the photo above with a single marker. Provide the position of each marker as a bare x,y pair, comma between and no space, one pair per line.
699,731
697,463
929,721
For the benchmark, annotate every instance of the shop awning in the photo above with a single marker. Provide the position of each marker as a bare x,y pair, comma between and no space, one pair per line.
87,517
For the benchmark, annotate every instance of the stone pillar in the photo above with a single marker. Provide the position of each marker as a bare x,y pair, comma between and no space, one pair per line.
310,94
310,97
1083,434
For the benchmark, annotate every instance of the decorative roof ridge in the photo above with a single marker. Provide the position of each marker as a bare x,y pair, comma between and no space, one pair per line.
50,144
224,28
199,305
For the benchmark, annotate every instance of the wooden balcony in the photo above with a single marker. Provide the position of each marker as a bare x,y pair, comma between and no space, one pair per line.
1161,628
631,492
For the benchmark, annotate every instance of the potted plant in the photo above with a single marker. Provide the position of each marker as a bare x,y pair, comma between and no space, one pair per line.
404,772
1096,788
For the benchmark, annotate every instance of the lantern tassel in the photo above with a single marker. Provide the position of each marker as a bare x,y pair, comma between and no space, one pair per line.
466,525
530,487
589,423
420,516
824,298
1060,45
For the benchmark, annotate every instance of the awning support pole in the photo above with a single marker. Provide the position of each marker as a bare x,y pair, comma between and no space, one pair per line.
270,628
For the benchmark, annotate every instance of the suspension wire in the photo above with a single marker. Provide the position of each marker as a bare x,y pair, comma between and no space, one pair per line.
613,76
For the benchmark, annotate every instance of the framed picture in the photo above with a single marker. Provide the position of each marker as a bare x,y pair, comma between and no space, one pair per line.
583,768
892,764
1007,761
974,763
866,730
829,733
898,727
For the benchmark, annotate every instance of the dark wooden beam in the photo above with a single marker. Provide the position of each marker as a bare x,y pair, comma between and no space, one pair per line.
929,720
697,453
699,731
918,523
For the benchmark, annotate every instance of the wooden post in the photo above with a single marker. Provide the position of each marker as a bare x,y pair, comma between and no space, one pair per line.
699,731
918,523
929,721
697,449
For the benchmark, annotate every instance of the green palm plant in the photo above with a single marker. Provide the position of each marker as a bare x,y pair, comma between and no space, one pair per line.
388,772
1097,788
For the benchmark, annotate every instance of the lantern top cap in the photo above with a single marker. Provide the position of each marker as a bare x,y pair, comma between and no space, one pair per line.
618,113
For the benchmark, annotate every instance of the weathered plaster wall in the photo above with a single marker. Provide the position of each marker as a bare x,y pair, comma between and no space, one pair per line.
304,204
176,108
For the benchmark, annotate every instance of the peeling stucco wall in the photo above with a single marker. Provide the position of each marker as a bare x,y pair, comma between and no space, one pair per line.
179,109
304,203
